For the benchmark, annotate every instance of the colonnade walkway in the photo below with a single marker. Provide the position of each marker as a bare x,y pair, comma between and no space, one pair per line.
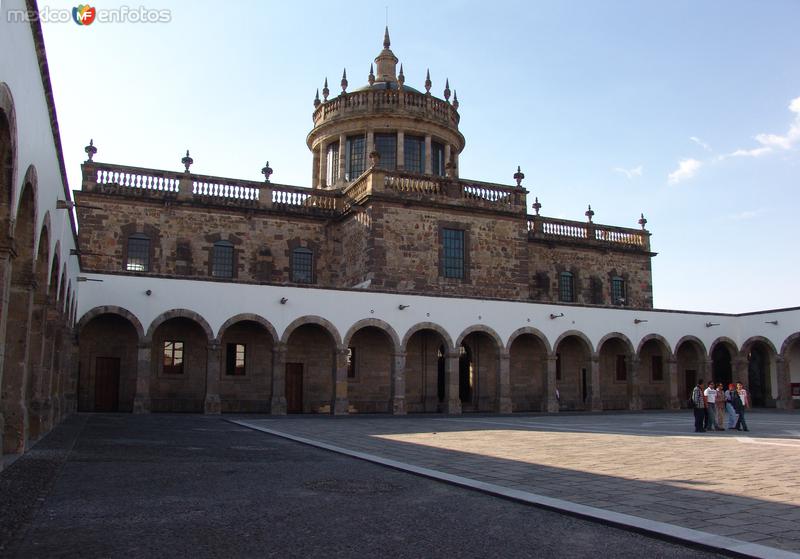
736,491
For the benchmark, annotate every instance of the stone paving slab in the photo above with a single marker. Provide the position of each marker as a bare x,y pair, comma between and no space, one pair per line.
732,487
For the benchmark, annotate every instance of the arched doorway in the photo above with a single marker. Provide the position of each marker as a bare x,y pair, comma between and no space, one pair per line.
528,373
245,367
690,355
761,373
369,370
478,372
573,372
310,370
426,353
654,381
615,373
107,362
179,363
722,363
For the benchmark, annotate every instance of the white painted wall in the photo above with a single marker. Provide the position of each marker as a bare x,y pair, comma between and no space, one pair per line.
19,70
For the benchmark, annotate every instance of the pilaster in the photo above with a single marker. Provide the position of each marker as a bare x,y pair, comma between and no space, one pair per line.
595,401
340,403
399,383
503,381
277,405
213,404
141,400
451,395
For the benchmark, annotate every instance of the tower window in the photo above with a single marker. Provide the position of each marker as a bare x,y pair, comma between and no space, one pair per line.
386,145
222,260
138,253
566,287
414,154
453,250
354,157
437,159
618,291
333,163
302,265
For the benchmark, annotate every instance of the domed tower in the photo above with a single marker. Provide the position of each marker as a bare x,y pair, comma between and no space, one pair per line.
385,123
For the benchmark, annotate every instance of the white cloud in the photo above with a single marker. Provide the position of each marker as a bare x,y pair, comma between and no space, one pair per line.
686,170
772,142
700,143
630,173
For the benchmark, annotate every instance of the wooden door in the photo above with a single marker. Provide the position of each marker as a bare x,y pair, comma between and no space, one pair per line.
294,387
106,384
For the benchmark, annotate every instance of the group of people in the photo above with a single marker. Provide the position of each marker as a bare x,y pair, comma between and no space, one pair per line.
714,407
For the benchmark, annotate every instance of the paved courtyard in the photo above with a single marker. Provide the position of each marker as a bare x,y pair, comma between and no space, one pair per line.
736,486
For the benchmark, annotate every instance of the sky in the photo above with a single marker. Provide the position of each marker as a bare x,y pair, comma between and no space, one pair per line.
685,110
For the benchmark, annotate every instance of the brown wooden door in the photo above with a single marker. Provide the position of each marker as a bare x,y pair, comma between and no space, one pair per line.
106,384
294,387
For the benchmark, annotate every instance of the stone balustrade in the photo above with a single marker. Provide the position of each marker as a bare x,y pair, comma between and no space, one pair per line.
548,228
379,100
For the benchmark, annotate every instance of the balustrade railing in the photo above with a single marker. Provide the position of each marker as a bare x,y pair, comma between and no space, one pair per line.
549,228
409,183
377,99
135,178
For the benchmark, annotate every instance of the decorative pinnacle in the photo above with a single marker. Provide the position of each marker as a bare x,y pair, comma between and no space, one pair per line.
455,99
642,221
317,102
589,213
266,171
344,80
537,206
428,82
386,42
447,90
90,150
371,75
401,78
187,161
518,176
325,90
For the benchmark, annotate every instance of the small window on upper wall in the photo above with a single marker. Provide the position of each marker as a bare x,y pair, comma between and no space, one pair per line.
173,357
222,260
302,265
618,296
566,287
138,253
235,356
453,251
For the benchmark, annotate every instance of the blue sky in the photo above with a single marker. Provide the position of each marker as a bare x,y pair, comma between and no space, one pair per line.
682,110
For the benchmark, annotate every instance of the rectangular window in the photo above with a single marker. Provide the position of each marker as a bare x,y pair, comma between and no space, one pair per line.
333,163
355,157
566,287
386,145
437,159
138,253
302,265
622,369
657,368
414,154
617,291
351,362
173,357
222,260
235,360
453,248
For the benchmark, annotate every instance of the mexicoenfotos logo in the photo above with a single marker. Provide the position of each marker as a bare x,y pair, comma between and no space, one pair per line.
84,14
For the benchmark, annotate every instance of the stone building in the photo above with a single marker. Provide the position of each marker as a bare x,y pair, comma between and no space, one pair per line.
392,285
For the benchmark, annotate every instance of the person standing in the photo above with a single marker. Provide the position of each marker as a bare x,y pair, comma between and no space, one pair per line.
732,417
743,400
711,410
699,407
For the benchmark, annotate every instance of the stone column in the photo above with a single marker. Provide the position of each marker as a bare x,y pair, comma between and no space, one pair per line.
322,181
340,403
784,401
6,255
16,372
739,366
141,401
672,380
451,372
342,156
277,405
428,155
70,390
503,381
635,398
398,383
551,403
595,401
401,149
212,404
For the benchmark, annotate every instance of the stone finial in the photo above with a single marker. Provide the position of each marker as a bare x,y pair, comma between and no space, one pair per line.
536,206
447,90
344,80
371,78
266,171
642,221
455,99
386,42
401,77
90,151
589,213
325,91
317,102
187,161
518,176
428,82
